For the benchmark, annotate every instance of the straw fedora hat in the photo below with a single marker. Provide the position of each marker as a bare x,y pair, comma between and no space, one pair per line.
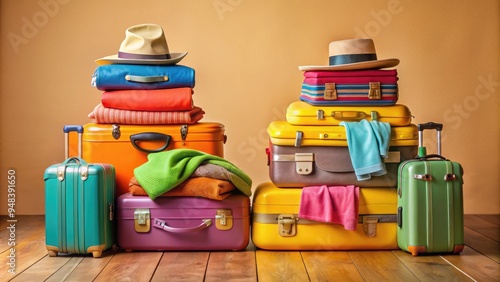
144,44
353,54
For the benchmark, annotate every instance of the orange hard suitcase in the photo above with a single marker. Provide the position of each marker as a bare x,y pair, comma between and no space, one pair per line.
127,146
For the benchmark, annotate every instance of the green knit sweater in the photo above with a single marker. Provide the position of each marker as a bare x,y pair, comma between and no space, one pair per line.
165,170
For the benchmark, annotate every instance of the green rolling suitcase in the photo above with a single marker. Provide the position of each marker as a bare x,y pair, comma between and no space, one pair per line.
430,201
79,203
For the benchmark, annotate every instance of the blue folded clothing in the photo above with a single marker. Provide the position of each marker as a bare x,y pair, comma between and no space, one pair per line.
125,77
368,143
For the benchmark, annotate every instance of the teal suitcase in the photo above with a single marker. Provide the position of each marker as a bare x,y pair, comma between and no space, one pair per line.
79,204
430,201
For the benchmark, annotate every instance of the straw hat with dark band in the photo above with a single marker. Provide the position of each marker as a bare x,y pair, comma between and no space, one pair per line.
353,54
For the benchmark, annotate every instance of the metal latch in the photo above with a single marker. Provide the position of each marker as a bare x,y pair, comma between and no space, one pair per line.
450,177
299,135
224,219
111,211
374,93
115,131
320,114
84,172
287,225
184,132
142,220
60,172
370,226
304,163
425,177
330,91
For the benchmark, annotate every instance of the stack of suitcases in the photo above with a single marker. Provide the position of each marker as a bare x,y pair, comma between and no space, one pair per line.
348,169
333,163
148,130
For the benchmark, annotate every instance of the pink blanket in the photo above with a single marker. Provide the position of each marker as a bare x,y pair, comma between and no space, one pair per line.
334,204
101,114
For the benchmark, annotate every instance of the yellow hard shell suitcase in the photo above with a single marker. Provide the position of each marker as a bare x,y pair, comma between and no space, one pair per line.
302,113
275,225
127,146
285,134
306,155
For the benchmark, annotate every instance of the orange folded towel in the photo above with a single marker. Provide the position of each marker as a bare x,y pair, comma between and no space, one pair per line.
205,187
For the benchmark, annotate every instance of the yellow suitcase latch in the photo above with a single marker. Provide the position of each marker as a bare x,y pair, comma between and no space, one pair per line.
224,219
142,220
287,225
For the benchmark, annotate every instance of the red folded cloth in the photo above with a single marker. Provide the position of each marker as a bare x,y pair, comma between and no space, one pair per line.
334,204
107,115
173,99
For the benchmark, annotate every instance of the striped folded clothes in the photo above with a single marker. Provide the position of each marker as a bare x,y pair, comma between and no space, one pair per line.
173,99
103,115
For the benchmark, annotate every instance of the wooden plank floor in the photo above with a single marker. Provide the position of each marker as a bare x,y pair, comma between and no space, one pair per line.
480,261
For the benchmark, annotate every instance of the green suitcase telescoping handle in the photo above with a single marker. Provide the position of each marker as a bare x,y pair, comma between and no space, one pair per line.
430,125
422,151
150,136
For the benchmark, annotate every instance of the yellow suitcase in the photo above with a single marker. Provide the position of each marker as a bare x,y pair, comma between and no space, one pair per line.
275,225
307,155
302,113
284,133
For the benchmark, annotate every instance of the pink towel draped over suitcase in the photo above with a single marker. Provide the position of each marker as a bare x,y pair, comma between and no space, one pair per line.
332,204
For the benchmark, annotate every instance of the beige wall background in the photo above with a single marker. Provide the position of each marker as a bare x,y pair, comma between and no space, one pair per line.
246,55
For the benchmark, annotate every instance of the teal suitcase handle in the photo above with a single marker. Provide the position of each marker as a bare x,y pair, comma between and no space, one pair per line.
150,136
72,128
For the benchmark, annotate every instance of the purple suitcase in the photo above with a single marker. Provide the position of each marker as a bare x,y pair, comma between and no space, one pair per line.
183,223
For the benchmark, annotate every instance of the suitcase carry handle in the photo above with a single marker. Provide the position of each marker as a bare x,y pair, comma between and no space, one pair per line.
353,115
146,79
84,168
72,128
162,225
426,157
75,160
150,136
422,151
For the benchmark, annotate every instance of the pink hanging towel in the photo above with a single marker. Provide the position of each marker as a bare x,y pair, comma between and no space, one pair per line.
334,204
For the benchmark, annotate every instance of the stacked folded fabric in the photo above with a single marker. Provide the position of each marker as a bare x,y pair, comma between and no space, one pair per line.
143,89
186,172
143,84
